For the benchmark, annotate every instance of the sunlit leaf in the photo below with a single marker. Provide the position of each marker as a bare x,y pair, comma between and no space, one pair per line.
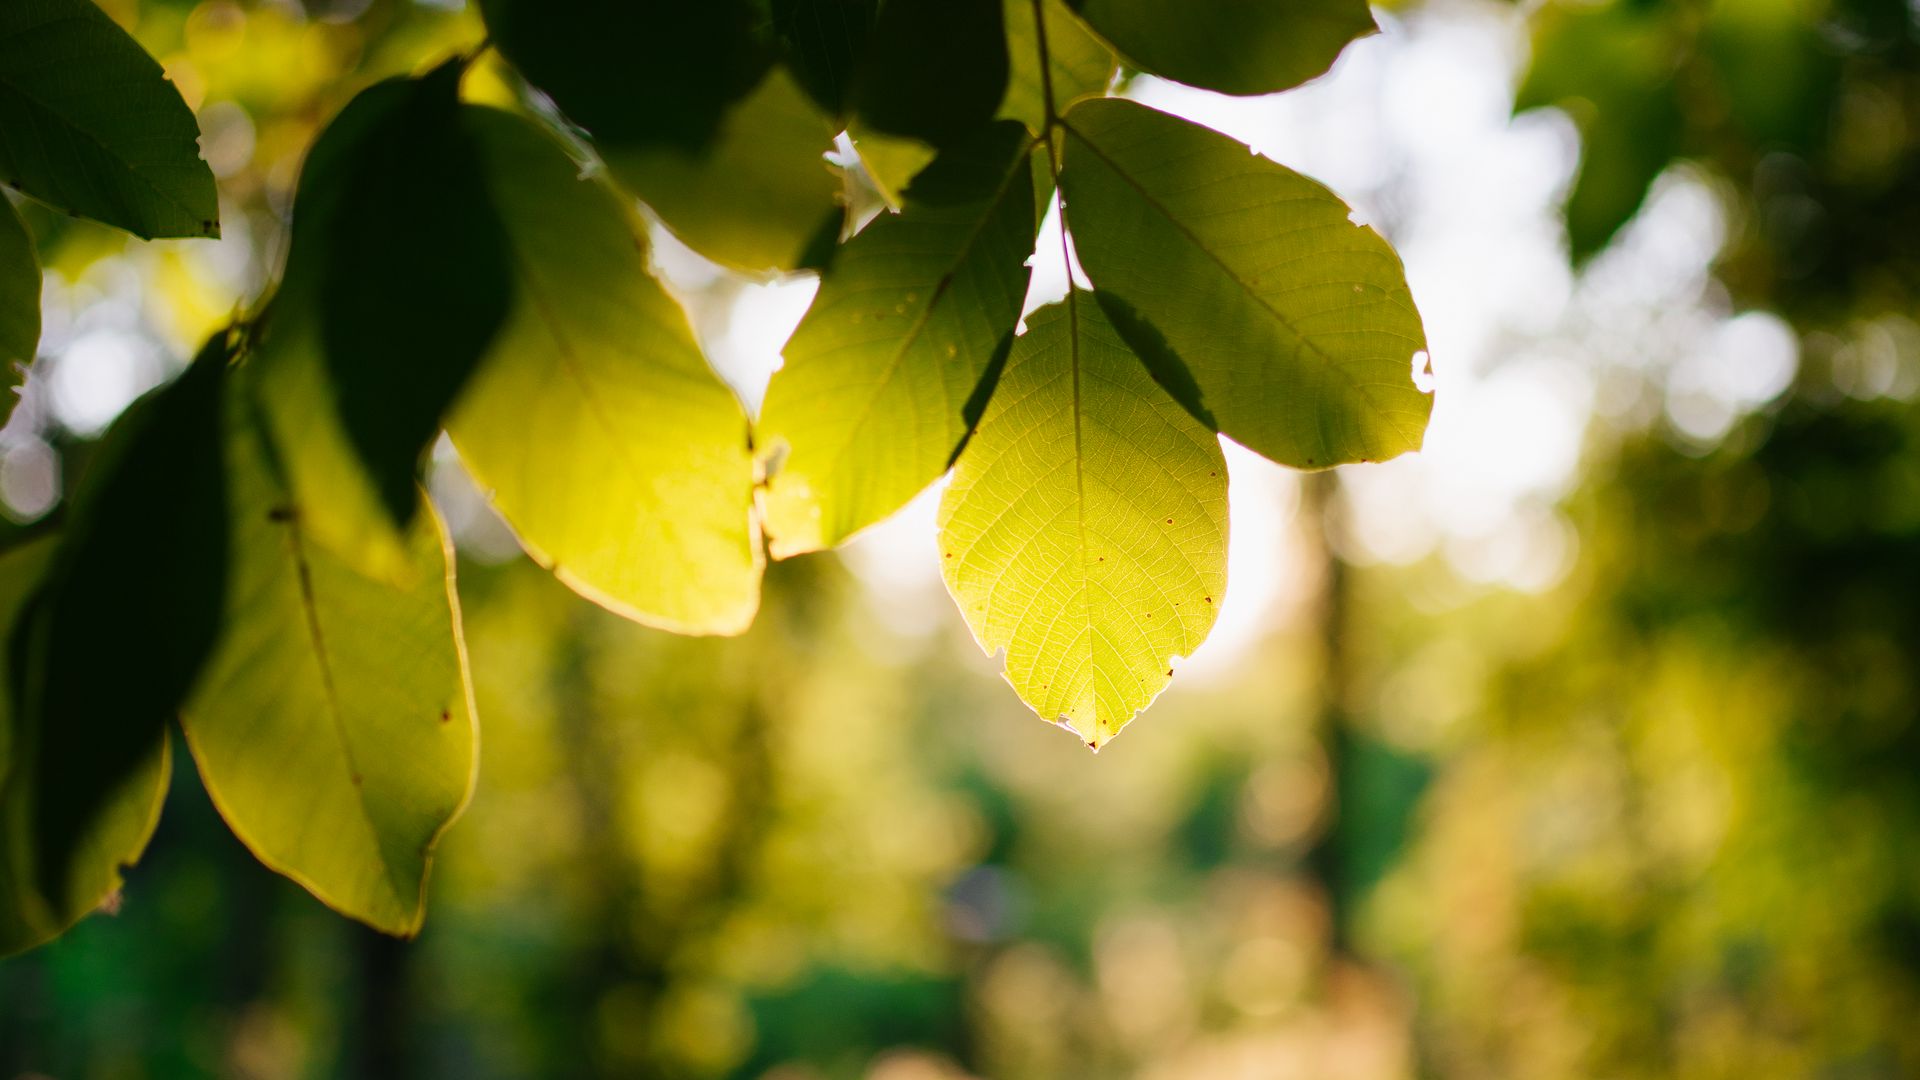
396,281
1246,287
934,70
19,304
90,124
1085,530
34,909
1233,46
119,631
332,726
756,199
638,72
880,380
1079,64
891,162
616,453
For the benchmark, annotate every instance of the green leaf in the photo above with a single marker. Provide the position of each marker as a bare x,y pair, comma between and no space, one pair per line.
1232,46
19,305
1612,69
934,70
874,398
760,195
891,163
34,908
90,124
395,284
1085,531
1245,287
636,72
825,41
134,591
1080,64
605,440
333,726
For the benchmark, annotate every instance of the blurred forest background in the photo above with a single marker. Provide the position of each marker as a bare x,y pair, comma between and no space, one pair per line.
1584,744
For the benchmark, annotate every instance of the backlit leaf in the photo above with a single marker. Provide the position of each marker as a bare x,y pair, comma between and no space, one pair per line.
1233,46
1246,287
32,908
90,124
1085,530
1079,63
874,397
605,440
759,196
332,726
396,281
19,305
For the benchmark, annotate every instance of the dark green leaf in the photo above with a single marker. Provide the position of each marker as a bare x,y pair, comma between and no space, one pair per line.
1612,69
934,69
89,123
130,609
396,282
1246,287
635,72
1233,46
34,909
19,304
871,403
825,40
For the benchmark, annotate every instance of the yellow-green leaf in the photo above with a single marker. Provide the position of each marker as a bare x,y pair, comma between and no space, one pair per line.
1085,531
332,725
760,195
599,430
90,124
874,397
1078,63
34,909
1246,287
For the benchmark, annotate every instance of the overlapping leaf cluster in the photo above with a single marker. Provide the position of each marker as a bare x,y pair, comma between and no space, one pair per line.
252,554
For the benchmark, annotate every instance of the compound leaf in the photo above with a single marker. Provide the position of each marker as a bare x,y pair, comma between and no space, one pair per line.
603,436
1246,288
1085,530
1233,46
873,399
90,124
333,726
